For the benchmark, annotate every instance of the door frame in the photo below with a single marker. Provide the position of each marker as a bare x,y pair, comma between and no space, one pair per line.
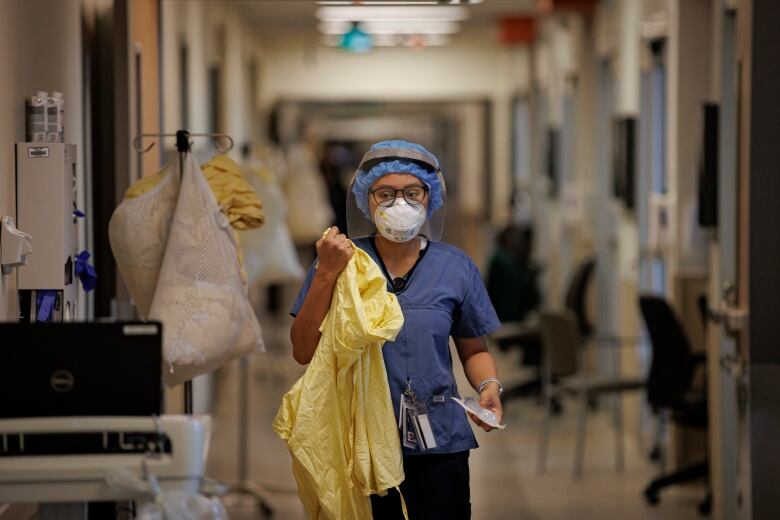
722,386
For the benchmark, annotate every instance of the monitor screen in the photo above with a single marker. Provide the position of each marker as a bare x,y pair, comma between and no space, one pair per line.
708,168
81,369
624,160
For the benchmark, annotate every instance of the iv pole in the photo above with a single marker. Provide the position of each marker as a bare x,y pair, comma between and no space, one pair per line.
244,486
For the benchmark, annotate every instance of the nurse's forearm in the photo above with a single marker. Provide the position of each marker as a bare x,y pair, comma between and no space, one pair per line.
479,367
305,331
478,363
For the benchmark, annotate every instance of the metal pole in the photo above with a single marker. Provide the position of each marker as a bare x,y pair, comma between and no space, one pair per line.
183,146
243,420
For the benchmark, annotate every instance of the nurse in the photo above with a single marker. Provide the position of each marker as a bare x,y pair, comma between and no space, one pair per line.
395,212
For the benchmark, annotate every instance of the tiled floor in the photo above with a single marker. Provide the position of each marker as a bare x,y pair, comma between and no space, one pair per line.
504,482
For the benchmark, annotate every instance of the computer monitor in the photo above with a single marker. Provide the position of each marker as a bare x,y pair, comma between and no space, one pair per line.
708,168
624,159
80,369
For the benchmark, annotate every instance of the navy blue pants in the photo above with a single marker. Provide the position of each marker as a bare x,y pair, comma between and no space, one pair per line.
436,487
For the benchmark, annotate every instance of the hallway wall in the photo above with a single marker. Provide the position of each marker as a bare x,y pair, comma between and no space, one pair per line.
40,49
587,72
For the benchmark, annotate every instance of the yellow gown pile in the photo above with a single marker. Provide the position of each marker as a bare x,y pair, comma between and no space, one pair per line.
337,420
234,195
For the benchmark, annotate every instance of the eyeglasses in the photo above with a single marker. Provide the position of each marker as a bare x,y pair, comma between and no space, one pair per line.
385,196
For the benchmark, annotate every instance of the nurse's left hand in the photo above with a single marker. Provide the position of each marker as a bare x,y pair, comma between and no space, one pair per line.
489,399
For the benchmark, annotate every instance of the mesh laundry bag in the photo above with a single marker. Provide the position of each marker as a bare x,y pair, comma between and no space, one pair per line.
200,297
138,231
269,253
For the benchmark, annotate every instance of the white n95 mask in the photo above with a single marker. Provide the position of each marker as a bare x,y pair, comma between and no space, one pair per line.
400,222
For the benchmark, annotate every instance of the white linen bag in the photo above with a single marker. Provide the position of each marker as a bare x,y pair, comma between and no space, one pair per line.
269,253
138,231
200,297
309,211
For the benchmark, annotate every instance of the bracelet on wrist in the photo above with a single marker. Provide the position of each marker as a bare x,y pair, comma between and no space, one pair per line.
486,382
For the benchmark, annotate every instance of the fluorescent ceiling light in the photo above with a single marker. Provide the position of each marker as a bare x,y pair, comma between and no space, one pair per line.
363,13
393,27
399,2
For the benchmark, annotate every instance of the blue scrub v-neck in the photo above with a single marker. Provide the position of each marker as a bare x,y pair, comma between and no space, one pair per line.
377,258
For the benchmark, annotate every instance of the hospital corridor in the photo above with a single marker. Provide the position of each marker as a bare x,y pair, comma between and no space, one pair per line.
389,259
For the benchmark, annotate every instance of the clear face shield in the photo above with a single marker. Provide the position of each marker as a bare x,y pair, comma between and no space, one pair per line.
397,199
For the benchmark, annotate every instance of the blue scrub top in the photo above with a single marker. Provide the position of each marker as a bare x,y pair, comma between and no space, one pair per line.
444,296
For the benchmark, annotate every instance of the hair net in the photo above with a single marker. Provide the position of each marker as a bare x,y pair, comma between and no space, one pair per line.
365,179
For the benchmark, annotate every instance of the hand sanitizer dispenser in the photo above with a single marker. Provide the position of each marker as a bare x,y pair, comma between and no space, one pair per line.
45,205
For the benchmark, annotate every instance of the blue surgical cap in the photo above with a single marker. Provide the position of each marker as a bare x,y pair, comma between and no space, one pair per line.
365,179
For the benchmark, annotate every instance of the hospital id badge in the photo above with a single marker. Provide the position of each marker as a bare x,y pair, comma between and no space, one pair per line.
416,431
406,423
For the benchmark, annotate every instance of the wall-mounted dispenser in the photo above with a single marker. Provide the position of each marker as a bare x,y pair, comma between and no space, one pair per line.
45,208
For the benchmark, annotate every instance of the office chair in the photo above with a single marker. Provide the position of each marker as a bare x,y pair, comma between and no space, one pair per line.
562,375
670,388
526,335
575,299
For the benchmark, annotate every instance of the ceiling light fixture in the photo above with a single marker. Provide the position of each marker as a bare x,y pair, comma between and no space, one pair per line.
394,40
392,27
398,2
418,24
363,13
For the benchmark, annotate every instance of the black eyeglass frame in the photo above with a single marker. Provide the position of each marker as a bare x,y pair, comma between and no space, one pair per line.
395,193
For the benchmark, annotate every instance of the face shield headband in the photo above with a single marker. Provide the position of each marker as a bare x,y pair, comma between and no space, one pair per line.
425,160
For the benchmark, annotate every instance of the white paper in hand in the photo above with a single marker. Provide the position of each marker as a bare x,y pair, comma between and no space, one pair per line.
472,405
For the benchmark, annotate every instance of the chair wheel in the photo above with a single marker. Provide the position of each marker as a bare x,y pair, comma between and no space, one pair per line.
651,496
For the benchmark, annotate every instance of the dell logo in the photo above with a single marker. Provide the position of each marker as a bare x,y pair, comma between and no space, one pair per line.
62,381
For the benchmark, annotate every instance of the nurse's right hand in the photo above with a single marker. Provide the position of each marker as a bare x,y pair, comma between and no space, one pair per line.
333,252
